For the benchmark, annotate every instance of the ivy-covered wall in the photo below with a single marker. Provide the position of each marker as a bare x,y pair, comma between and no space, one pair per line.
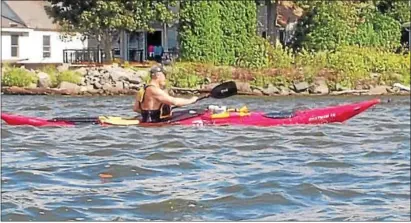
217,32
200,31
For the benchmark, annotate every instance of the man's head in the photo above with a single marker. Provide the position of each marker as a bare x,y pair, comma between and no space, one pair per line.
158,74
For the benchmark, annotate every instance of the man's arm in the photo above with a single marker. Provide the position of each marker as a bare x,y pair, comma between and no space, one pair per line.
165,98
136,106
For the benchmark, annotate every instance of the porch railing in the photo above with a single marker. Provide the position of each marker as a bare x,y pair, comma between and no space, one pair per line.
97,55
88,55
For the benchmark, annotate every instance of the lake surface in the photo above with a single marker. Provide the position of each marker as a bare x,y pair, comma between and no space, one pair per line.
356,171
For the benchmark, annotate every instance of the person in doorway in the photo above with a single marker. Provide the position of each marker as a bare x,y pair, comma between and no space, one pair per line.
151,51
158,53
154,103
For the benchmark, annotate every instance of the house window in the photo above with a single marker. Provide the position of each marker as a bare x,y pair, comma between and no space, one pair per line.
14,45
46,47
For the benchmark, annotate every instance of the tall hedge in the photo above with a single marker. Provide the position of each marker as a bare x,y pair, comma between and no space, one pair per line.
216,32
239,24
200,31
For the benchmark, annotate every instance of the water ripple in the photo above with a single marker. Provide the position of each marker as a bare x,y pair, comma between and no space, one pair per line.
354,171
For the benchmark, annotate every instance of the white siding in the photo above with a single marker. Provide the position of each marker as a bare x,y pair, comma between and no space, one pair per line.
31,46
5,47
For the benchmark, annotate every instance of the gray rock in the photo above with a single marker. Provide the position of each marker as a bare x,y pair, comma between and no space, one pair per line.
319,87
119,85
134,86
83,71
93,91
44,80
74,88
83,81
378,90
209,87
94,80
301,86
97,85
271,90
89,87
243,86
136,80
284,90
83,89
393,90
103,81
257,92
402,87
118,73
107,87
94,73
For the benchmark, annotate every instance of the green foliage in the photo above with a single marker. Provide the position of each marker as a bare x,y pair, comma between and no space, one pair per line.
330,25
69,76
350,65
326,26
259,53
101,19
18,77
377,30
216,32
185,77
96,16
238,23
200,32
397,9
53,73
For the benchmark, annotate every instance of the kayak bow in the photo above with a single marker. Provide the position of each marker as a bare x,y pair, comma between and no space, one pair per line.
339,113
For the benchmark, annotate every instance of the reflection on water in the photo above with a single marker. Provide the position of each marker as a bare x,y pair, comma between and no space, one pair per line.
356,171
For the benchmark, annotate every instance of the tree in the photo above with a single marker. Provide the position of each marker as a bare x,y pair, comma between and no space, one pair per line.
101,19
397,9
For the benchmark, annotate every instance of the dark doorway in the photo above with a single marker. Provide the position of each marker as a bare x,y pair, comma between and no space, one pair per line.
153,40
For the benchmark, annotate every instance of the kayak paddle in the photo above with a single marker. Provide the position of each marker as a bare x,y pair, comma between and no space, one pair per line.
223,90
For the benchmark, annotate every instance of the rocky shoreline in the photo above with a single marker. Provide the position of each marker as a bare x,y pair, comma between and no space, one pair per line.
114,80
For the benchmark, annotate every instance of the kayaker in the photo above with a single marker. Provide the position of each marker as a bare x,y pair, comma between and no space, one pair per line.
154,103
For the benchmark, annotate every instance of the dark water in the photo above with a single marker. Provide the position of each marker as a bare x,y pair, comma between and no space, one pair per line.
356,171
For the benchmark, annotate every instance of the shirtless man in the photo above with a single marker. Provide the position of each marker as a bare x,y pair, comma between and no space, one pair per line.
153,103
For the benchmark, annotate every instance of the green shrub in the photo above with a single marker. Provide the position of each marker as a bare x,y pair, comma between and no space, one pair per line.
52,72
18,77
69,76
259,53
352,64
185,76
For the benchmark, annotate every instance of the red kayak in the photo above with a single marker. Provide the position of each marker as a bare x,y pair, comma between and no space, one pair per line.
213,116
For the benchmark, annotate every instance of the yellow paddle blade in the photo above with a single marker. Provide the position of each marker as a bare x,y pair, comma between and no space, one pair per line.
112,120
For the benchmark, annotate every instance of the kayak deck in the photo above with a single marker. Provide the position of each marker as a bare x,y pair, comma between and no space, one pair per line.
339,113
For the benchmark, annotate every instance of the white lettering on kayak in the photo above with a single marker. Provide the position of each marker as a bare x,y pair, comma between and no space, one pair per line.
322,117
198,123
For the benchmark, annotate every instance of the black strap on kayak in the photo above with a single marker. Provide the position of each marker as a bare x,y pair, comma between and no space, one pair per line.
186,114
75,119
279,115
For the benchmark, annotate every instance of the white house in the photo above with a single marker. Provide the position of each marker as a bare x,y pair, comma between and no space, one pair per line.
28,34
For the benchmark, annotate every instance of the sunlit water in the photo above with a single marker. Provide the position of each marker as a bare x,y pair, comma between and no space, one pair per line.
356,171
